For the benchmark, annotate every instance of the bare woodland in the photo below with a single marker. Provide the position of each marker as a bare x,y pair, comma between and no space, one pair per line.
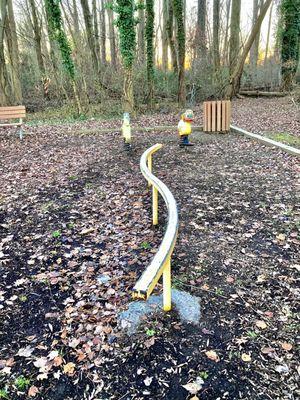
185,52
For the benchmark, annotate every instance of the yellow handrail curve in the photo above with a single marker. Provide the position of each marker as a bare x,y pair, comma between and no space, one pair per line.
161,263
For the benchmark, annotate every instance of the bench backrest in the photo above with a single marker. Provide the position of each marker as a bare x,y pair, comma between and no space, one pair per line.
12,112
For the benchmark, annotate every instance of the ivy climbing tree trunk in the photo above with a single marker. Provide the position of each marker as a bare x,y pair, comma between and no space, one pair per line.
141,33
149,33
289,32
53,13
126,26
235,78
54,57
178,13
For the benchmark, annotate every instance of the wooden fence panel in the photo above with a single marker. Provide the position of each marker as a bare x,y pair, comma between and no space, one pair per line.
217,116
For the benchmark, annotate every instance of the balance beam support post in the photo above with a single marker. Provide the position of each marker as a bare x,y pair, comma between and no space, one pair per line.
167,296
149,164
155,205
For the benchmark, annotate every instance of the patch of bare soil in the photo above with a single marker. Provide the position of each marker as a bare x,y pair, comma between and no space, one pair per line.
75,233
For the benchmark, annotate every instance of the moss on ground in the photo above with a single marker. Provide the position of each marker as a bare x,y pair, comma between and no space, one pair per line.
285,138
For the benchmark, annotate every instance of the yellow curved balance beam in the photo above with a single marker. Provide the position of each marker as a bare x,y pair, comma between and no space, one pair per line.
161,263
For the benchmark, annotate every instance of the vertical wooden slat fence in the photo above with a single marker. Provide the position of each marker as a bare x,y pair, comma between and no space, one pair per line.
217,115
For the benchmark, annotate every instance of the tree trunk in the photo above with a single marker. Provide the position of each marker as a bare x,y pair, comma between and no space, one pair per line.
12,44
76,19
235,78
165,35
4,93
112,38
225,43
96,31
170,30
90,33
257,93
216,29
201,29
255,47
103,32
178,13
234,41
38,44
141,34
268,35
149,33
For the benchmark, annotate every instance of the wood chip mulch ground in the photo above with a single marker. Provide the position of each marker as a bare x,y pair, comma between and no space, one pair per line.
75,233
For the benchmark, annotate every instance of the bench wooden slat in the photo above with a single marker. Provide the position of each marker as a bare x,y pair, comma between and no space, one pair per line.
12,124
13,112
9,116
10,108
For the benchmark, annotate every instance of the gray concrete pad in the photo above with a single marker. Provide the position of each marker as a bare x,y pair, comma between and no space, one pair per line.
188,308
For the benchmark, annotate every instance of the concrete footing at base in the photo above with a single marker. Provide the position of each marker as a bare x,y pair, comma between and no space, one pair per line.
188,308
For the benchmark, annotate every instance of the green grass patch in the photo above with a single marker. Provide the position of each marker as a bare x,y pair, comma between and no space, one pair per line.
286,138
146,245
150,332
3,394
56,234
22,383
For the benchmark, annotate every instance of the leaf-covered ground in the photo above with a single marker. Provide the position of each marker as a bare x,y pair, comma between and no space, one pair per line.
75,233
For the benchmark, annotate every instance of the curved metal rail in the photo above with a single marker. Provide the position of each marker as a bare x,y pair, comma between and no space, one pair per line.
161,263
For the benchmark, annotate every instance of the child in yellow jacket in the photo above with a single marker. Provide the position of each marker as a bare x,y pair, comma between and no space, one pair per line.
185,128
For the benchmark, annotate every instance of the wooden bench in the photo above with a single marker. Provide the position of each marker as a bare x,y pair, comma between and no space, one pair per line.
9,115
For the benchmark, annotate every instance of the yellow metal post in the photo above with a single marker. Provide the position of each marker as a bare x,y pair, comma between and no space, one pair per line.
167,286
155,205
149,166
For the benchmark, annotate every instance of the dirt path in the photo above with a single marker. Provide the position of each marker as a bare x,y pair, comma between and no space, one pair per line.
75,233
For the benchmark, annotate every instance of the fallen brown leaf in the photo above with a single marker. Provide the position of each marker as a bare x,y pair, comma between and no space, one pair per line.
212,355
33,391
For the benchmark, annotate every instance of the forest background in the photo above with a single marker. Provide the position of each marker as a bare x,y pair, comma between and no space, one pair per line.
86,56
